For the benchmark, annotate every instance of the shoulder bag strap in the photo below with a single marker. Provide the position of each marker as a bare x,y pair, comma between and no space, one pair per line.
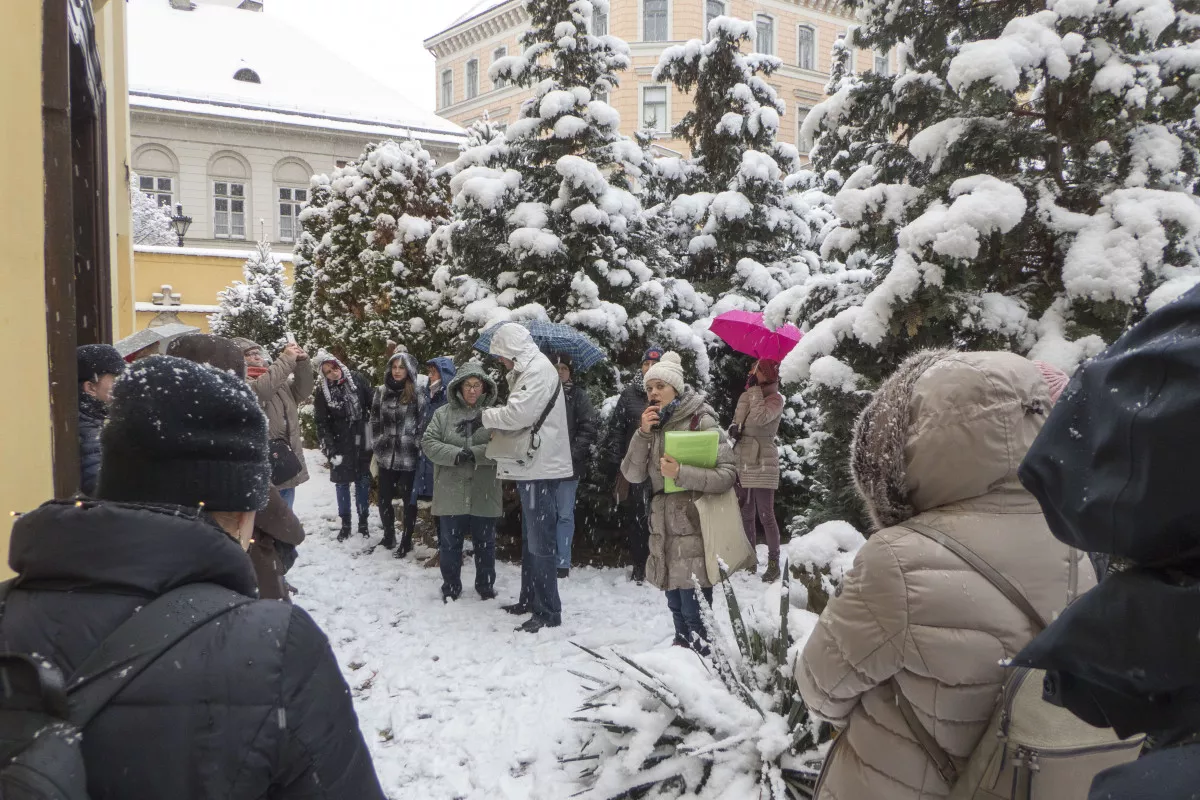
537,426
983,568
140,640
941,759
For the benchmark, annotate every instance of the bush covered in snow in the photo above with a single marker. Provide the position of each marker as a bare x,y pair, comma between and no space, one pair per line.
668,724
1026,182
259,306
151,222
362,272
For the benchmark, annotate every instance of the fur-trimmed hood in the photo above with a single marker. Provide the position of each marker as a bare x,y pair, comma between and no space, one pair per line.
944,428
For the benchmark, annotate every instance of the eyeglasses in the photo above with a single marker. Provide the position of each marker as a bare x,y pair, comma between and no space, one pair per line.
473,386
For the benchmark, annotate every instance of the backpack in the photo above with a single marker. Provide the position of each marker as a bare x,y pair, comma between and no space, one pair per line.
43,717
1031,749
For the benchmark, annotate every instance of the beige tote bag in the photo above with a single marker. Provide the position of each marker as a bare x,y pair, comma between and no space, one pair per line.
723,534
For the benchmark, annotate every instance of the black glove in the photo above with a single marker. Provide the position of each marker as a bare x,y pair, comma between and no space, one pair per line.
468,426
465,456
735,431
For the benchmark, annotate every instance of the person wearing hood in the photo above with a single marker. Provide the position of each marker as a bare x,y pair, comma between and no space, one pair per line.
914,624
755,424
396,412
535,397
624,421
248,705
439,373
1114,471
277,531
98,366
341,407
467,497
281,387
582,431
676,558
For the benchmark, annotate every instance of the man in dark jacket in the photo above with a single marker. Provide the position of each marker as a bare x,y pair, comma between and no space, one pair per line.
249,706
622,424
1115,472
98,366
582,431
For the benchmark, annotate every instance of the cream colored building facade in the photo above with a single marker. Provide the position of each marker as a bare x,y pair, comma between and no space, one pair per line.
801,34
235,135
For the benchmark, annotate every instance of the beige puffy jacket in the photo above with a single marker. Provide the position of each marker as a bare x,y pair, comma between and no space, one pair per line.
676,545
758,413
940,444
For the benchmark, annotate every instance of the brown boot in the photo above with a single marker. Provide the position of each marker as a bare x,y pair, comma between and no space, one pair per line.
772,573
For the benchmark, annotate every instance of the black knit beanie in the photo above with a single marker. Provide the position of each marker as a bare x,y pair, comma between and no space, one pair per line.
182,433
94,360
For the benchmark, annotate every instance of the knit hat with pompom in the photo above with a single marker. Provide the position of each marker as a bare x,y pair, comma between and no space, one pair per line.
669,370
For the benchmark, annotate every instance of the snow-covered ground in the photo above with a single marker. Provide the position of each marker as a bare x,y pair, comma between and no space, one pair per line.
452,701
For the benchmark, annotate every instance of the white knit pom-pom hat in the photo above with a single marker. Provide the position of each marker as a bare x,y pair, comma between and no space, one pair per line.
669,370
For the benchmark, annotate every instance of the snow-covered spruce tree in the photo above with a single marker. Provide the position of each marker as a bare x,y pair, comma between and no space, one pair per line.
314,224
1025,182
151,222
258,307
371,276
544,221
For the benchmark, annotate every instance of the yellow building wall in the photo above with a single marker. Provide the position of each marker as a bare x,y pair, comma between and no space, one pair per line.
25,465
195,278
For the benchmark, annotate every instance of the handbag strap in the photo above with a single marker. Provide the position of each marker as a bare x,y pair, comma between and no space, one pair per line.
537,426
985,569
941,759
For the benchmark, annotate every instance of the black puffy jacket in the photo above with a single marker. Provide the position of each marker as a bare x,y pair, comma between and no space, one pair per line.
249,706
581,427
92,414
624,421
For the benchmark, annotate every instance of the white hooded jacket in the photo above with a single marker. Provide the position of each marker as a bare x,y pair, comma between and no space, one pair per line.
531,384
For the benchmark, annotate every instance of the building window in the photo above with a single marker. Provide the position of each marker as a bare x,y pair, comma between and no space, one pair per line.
881,64
654,108
472,78
447,87
806,47
229,210
599,23
654,20
764,35
497,54
159,188
803,143
852,61
291,200
712,10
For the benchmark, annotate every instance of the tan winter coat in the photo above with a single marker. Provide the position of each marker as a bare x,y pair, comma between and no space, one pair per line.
676,546
279,398
940,444
759,410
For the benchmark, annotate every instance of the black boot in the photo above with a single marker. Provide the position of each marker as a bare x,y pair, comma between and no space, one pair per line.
639,574
389,538
406,545
564,572
517,609
362,526
345,532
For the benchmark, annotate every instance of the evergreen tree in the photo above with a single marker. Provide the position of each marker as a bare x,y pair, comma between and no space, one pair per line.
314,224
151,222
1025,182
258,307
371,279
555,192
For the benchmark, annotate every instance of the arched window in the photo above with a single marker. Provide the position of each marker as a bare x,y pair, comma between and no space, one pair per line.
472,78
291,189
247,75
764,34
806,47
229,176
158,173
712,10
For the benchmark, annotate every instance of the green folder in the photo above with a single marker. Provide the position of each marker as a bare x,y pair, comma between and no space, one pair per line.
693,448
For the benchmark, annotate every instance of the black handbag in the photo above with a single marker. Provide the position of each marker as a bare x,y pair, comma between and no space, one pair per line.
285,464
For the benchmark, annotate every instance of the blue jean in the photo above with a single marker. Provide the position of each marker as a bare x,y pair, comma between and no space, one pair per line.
565,527
289,496
685,612
362,497
539,549
451,533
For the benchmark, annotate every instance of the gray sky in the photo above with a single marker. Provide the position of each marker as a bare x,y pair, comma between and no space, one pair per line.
381,37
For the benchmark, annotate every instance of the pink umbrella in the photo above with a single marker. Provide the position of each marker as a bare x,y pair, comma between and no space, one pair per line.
746,332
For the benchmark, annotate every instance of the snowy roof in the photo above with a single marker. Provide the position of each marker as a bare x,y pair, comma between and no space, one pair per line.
186,60
477,9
